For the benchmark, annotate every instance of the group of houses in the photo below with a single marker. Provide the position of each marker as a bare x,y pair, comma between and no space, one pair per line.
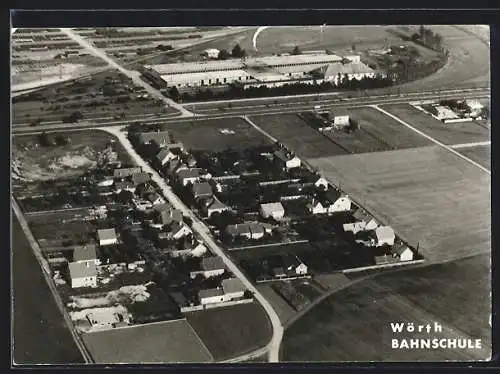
377,236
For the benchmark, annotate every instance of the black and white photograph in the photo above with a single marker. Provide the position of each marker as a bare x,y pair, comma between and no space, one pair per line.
250,194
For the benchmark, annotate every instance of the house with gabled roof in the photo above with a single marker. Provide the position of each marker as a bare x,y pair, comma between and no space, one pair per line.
124,186
402,252
85,253
272,210
214,205
107,237
160,137
362,217
178,230
332,201
169,152
286,160
155,198
82,274
384,235
202,190
126,172
233,288
187,175
211,296
140,178
321,183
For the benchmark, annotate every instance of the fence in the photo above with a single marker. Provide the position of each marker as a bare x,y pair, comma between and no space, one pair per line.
194,308
373,267
278,279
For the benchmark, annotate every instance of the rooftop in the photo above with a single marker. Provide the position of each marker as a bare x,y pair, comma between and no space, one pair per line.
106,234
82,269
202,188
211,292
231,285
84,253
384,232
189,173
146,137
272,207
212,263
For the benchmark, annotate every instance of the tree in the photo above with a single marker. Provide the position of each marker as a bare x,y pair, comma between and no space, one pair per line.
62,140
174,93
296,51
125,197
224,54
36,122
238,51
421,31
45,140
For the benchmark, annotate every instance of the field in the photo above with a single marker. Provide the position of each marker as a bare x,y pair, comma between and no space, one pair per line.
455,295
231,331
296,134
217,135
428,195
282,308
36,318
480,154
387,130
163,342
450,133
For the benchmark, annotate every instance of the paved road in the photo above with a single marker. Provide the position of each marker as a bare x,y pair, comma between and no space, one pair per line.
259,109
204,232
46,273
444,146
134,75
468,145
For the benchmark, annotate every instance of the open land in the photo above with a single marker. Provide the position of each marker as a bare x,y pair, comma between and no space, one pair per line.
480,154
231,331
217,135
171,341
450,133
297,135
35,323
360,329
429,196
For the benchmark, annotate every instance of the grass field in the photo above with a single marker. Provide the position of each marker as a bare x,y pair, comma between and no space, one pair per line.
297,135
40,335
163,342
451,133
387,130
207,135
232,331
428,195
480,154
354,324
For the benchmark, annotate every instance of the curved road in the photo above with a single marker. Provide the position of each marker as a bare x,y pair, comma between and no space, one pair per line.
274,345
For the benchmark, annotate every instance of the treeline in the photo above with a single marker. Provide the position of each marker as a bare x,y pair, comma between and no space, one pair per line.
237,92
428,38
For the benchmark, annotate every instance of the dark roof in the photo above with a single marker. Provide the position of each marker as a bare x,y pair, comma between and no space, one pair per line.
210,293
170,215
283,155
140,178
361,215
214,203
238,229
147,137
202,188
126,172
398,248
189,173
84,253
330,196
212,263
121,185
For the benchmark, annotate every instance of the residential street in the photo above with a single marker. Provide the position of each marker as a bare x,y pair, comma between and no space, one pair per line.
203,231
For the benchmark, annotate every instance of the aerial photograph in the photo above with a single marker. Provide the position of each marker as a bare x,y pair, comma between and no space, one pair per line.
260,194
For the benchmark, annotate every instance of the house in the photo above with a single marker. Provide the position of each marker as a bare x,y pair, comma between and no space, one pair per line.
155,198
354,227
212,53
202,190
384,235
192,247
143,190
140,178
384,259
107,237
168,153
212,266
233,289
286,159
321,183
251,230
211,296
160,137
124,186
179,230
83,274
272,210
361,215
213,205
475,107
167,216
126,172
279,272
189,175
173,166
86,253
293,265
142,205
341,119
402,252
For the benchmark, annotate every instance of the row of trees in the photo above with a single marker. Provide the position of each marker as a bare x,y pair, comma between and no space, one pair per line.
237,52
428,38
235,92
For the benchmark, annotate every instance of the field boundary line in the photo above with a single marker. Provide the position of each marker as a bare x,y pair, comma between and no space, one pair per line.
200,340
442,145
234,249
46,274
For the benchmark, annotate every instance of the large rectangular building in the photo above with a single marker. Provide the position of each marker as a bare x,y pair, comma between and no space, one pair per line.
271,71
